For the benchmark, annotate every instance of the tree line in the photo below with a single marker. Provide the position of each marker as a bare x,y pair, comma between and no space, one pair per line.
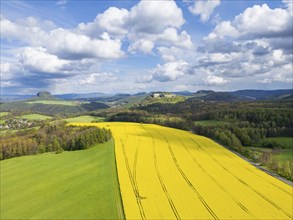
51,138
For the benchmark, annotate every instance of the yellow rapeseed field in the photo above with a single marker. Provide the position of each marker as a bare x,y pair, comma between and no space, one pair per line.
166,173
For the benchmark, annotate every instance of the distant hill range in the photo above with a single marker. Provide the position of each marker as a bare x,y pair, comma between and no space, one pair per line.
46,103
75,96
263,94
220,97
206,95
243,95
45,95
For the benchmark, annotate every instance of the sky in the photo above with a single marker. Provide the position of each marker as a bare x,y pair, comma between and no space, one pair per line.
71,46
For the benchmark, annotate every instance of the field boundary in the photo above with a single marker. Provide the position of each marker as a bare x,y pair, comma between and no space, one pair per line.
121,212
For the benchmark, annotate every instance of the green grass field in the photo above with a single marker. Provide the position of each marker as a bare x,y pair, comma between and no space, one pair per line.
2,114
149,101
3,132
285,155
35,117
85,119
70,185
211,123
286,142
54,102
260,149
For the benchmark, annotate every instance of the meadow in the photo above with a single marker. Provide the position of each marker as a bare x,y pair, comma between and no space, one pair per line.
166,173
2,114
35,117
71,185
84,118
284,156
285,142
54,102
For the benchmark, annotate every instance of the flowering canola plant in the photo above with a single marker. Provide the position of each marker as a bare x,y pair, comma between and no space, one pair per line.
165,173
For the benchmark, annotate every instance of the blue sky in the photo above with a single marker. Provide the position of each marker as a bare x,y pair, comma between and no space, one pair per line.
133,46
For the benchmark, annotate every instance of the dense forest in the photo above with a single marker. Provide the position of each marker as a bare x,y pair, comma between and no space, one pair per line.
51,138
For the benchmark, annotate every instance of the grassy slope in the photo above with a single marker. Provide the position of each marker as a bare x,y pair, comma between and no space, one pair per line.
149,100
84,118
35,117
285,155
71,185
54,102
2,114
286,142
46,107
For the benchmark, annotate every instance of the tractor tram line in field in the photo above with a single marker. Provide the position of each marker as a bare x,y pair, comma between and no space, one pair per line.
207,207
133,183
244,183
254,190
216,182
134,169
173,207
251,171
273,184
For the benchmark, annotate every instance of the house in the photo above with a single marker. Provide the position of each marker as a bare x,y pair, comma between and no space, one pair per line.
169,95
156,95
162,95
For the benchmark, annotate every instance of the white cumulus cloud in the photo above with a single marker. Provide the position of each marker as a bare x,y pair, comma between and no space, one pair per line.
40,61
113,20
142,45
204,8
98,77
250,24
214,80
64,43
168,71
146,25
69,45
